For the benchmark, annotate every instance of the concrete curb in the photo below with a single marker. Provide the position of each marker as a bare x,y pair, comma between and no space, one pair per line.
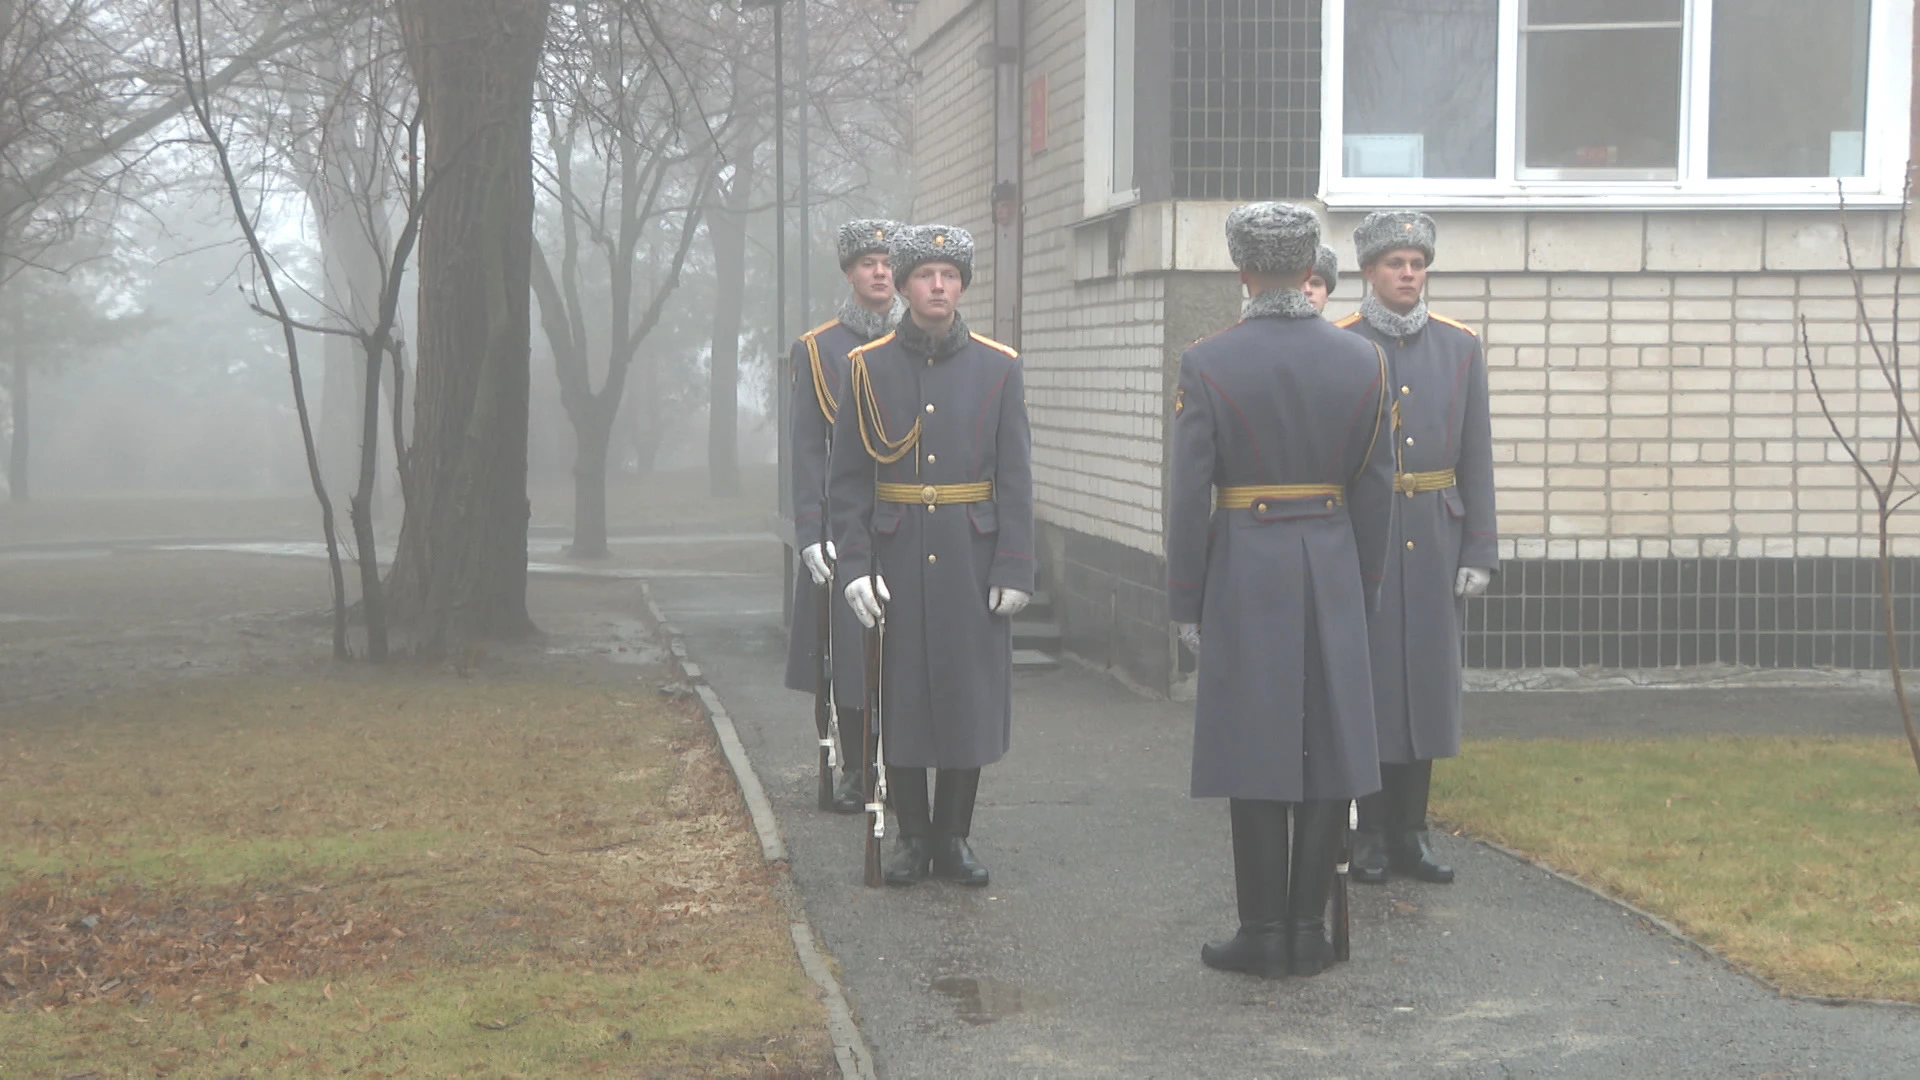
1672,930
850,1048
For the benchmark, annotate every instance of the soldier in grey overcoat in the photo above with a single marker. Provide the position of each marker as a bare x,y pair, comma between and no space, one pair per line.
1324,279
819,366
1443,543
932,503
1281,486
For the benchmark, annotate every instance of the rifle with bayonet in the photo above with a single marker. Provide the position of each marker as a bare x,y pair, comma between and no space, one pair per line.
873,733
824,721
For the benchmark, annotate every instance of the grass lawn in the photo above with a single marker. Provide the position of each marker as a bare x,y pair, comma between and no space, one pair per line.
1796,858
384,878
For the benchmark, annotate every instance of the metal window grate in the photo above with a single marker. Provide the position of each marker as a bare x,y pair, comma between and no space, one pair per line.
1639,613
1246,99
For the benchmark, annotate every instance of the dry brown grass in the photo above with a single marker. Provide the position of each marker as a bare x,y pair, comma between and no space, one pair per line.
396,876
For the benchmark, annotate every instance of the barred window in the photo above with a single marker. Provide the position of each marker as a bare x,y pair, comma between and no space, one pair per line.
1246,99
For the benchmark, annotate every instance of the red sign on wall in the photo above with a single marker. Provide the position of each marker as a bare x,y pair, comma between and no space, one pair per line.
1037,115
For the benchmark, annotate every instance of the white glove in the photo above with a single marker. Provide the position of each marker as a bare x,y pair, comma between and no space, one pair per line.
1189,636
1471,581
868,597
1007,602
819,559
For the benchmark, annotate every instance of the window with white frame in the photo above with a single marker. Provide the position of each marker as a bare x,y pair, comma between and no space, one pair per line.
1109,149
1653,101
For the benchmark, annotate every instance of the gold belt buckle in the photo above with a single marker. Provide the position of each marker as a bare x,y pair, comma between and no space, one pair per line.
929,494
1405,483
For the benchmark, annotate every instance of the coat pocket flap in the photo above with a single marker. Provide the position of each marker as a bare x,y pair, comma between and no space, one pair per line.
1456,506
886,518
985,517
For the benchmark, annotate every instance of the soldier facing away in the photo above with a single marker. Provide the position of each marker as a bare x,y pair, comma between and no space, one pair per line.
1282,484
1443,543
932,503
819,364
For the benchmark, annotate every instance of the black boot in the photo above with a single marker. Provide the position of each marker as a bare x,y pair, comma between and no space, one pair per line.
913,853
850,794
1316,847
1408,849
953,794
1369,865
1260,885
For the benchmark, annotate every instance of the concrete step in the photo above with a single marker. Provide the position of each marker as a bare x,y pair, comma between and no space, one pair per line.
1033,660
1039,635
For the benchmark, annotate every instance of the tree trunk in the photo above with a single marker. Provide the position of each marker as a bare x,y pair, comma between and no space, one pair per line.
728,230
461,572
18,482
591,437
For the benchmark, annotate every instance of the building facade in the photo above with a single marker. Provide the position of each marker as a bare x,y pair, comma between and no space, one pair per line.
1640,207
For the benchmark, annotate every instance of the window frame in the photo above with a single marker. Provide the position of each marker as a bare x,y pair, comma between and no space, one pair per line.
1102,69
1888,115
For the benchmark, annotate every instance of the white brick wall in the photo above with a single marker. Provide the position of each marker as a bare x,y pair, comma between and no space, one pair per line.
1675,414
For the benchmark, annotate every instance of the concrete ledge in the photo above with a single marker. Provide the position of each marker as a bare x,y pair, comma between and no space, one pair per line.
850,1048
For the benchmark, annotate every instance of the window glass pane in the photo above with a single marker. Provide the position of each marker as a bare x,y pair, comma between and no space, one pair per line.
1603,99
1123,95
1420,87
1544,12
1789,94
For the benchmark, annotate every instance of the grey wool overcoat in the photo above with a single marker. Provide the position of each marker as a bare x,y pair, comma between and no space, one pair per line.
1439,377
819,366
1280,589
948,663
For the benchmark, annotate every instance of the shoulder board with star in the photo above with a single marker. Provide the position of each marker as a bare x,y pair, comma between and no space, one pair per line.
992,344
1455,323
1348,321
821,329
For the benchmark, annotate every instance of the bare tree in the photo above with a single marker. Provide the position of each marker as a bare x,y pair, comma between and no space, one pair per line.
1884,468
189,34
642,186
461,570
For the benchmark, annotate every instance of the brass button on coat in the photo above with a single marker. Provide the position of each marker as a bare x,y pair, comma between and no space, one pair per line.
1409,545
936,558
931,458
1261,507
929,406
1409,440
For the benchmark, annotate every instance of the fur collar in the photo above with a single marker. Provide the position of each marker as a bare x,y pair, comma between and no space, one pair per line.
1280,304
917,343
871,324
1390,323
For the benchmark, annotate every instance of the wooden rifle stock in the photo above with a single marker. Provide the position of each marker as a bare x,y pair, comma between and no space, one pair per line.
823,692
1342,915
870,768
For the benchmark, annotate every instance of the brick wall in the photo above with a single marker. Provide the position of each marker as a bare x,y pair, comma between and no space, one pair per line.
1672,415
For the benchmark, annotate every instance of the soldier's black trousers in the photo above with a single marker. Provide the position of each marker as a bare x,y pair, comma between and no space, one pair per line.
951,813
1401,803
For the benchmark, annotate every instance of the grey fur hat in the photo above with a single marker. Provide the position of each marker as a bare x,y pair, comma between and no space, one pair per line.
865,236
914,246
1327,265
1273,238
1390,230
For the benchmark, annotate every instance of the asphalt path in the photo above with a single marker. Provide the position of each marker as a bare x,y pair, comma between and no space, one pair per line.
1082,958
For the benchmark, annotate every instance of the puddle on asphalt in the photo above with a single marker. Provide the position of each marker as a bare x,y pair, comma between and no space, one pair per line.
982,1001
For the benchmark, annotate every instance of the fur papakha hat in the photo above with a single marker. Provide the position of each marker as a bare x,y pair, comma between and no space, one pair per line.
865,236
914,246
1327,265
1273,238
1390,230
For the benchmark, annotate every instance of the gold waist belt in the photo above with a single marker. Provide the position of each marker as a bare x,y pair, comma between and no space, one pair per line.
1246,498
934,494
1412,483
